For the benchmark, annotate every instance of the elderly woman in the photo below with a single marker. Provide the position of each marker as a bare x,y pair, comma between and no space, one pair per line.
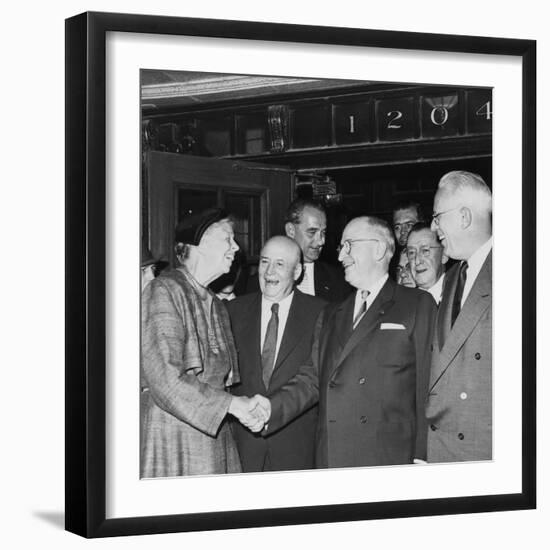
189,359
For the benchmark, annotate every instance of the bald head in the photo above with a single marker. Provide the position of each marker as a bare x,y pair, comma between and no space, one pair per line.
279,267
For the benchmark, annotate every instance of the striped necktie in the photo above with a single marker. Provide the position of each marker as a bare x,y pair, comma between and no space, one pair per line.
362,308
270,345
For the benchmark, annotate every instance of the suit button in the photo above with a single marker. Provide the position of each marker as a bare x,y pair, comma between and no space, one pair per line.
363,420
477,356
433,427
461,436
332,384
463,395
362,380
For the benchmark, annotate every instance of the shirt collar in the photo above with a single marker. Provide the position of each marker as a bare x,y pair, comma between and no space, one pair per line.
476,260
308,266
374,289
284,304
437,289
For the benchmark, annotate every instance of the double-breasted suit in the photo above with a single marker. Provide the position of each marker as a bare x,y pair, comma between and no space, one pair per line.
459,404
371,382
293,447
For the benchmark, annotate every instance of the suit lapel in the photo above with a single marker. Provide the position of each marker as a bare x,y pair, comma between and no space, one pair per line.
336,333
344,320
320,280
297,317
370,321
475,306
252,327
445,307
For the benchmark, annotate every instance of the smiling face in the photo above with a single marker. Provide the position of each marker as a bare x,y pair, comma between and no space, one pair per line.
403,220
218,247
279,268
426,258
361,258
448,223
309,233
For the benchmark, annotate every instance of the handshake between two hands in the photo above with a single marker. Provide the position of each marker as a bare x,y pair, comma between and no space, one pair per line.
252,412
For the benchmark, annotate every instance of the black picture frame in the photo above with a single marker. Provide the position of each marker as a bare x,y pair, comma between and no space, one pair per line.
86,278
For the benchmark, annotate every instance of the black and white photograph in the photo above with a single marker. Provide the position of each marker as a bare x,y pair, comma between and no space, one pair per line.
316,273
301,263
274,275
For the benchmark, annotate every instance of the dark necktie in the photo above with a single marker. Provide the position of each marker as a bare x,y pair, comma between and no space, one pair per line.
270,345
362,308
459,291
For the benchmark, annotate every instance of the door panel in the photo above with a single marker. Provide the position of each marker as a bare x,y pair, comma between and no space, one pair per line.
177,185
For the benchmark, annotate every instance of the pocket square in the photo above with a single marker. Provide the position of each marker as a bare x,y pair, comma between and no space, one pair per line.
391,326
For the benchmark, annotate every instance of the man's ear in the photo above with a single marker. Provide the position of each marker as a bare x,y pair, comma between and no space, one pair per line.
297,271
466,217
290,230
381,248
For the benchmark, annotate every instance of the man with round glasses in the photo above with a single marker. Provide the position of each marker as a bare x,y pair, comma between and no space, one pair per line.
426,259
369,364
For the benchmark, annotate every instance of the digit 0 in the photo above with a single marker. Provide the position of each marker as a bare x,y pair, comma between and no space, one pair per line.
439,115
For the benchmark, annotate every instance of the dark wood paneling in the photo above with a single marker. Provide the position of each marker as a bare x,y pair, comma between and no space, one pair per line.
167,172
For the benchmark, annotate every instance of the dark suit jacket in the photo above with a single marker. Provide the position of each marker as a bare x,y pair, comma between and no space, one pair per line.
459,407
371,382
293,447
328,280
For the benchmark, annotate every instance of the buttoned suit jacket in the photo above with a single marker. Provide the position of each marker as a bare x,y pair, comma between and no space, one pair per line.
371,382
293,447
459,404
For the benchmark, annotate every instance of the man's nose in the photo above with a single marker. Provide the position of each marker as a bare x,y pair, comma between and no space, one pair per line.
318,239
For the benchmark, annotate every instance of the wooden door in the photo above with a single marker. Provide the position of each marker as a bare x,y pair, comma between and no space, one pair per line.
257,195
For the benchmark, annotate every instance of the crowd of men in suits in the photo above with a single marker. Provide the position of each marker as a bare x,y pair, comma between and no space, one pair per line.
362,370
383,360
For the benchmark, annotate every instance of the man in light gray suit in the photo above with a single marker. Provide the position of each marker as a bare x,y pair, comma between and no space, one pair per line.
459,403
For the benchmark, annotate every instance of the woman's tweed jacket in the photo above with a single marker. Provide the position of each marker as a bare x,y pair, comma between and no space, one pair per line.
188,359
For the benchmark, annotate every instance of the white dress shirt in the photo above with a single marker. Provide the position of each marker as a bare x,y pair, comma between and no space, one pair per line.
307,286
475,263
374,290
437,290
284,308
